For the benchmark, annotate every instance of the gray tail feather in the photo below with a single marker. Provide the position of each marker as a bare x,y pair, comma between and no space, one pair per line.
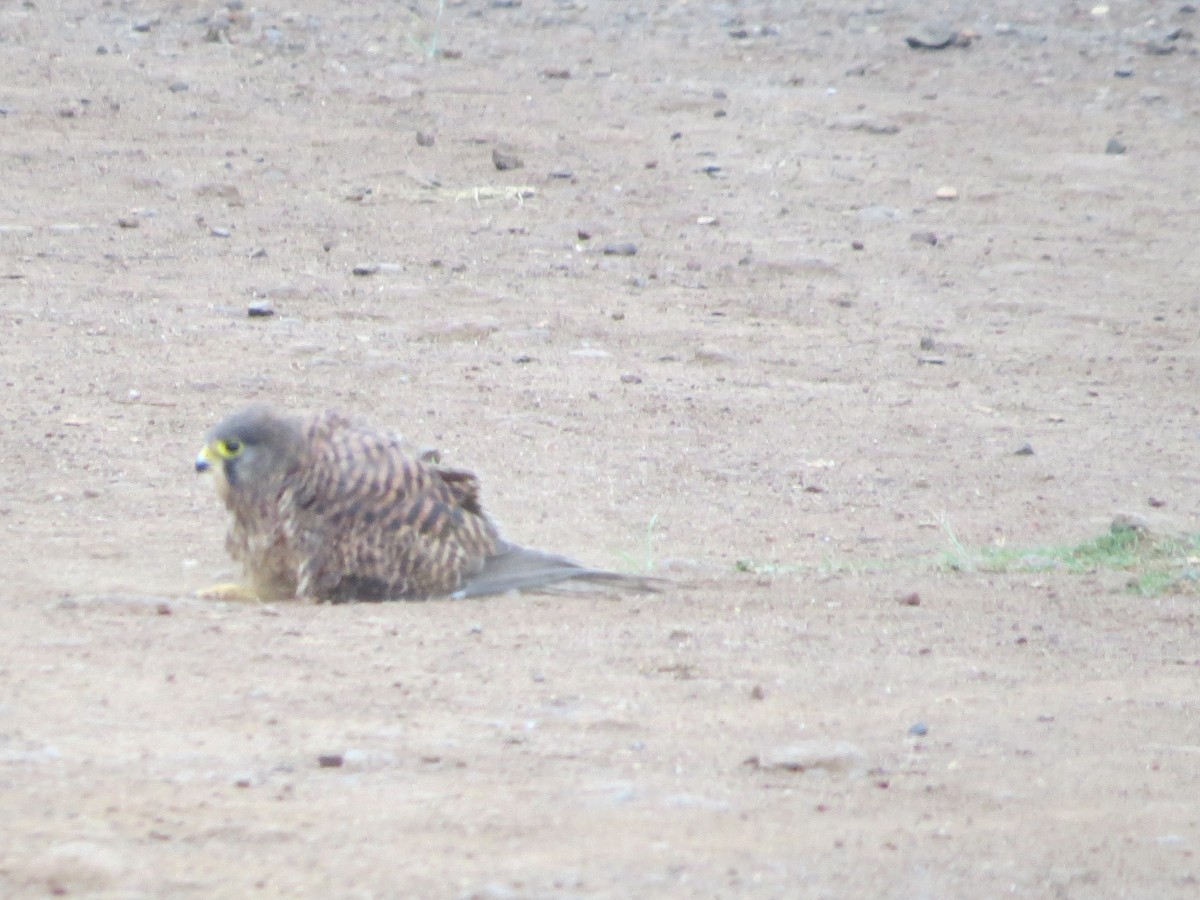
516,568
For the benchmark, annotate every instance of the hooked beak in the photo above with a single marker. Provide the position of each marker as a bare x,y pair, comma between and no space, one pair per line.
205,459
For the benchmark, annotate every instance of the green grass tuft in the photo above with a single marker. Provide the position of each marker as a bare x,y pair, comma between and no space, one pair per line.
430,45
644,562
1157,564
1119,548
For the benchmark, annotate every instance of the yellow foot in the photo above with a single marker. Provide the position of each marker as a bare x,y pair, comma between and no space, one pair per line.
231,591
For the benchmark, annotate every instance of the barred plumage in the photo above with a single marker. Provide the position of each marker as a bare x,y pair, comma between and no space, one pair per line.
328,509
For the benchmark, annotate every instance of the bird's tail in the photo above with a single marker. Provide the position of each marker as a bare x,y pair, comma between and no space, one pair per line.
514,568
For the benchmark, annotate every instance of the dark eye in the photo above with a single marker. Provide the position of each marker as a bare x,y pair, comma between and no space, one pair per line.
233,447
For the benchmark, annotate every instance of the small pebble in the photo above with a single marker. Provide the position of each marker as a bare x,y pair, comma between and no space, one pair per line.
218,28
365,269
622,248
757,692
924,237
564,174
506,161
913,599
1114,147
831,757
946,193
556,73
259,310
709,355
425,139
918,729
1156,502
178,87
1129,522
220,232
868,124
1124,72
630,378
932,36
330,760
1024,450
857,245
927,343
706,220
128,222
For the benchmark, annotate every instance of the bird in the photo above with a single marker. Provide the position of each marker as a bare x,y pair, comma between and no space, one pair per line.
328,509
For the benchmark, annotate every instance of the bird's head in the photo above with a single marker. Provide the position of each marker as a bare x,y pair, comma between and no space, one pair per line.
248,451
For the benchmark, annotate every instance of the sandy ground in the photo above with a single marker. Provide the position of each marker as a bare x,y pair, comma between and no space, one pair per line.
812,364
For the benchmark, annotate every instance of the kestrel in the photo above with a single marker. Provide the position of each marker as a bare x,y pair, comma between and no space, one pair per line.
326,509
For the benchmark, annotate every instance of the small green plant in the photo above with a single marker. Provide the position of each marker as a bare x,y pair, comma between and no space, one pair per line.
1157,561
827,566
1157,564
1119,548
648,561
430,45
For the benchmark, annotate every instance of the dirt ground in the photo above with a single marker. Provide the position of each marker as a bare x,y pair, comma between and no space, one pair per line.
865,275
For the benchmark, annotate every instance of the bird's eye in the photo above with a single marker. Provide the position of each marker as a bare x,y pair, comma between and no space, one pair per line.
231,447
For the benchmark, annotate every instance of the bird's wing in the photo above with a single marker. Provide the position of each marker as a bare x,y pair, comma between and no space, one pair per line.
375,523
